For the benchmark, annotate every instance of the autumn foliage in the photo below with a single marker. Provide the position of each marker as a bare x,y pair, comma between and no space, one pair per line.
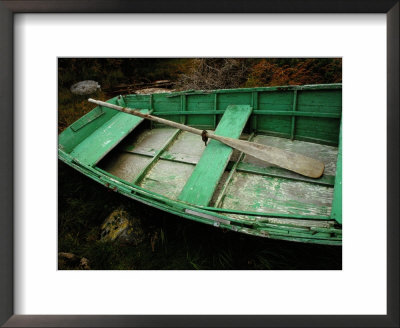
201,73
225,73
273,72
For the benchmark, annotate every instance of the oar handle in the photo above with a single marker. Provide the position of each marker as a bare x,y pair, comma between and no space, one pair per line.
149,117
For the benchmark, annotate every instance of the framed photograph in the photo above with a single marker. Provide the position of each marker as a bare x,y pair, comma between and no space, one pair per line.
254,215
279,66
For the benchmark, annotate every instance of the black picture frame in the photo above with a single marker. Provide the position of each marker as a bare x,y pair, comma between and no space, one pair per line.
7,11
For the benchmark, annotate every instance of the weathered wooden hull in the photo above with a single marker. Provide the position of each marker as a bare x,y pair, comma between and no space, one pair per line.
175,172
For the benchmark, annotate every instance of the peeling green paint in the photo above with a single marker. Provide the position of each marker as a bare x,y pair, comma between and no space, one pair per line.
261,200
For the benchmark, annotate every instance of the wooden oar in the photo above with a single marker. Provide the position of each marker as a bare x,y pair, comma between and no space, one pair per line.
291,161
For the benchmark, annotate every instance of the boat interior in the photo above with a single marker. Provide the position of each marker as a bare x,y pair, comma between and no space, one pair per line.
178,165
163,160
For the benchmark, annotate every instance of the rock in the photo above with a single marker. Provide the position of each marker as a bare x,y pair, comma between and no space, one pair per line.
85,87
120,226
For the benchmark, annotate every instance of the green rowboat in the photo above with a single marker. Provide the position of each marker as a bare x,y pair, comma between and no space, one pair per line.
175,171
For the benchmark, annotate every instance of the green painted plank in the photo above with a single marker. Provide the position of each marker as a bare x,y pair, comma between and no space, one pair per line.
161,103
268,214
277,124
100,142
254,103
201,185
69,138
336,212
183,108
227,99
151,102
215,109
318,128
255,112
277,88
323,101
278,101
196,104
90,117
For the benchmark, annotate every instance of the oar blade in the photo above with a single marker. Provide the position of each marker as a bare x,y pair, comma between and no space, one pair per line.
298,163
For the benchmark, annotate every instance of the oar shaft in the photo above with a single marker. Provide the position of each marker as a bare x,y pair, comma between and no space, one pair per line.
149,117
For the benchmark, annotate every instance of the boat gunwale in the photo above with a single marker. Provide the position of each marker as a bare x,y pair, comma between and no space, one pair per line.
328,86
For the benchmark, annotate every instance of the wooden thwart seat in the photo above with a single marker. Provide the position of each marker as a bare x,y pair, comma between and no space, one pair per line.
201,185
105,138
